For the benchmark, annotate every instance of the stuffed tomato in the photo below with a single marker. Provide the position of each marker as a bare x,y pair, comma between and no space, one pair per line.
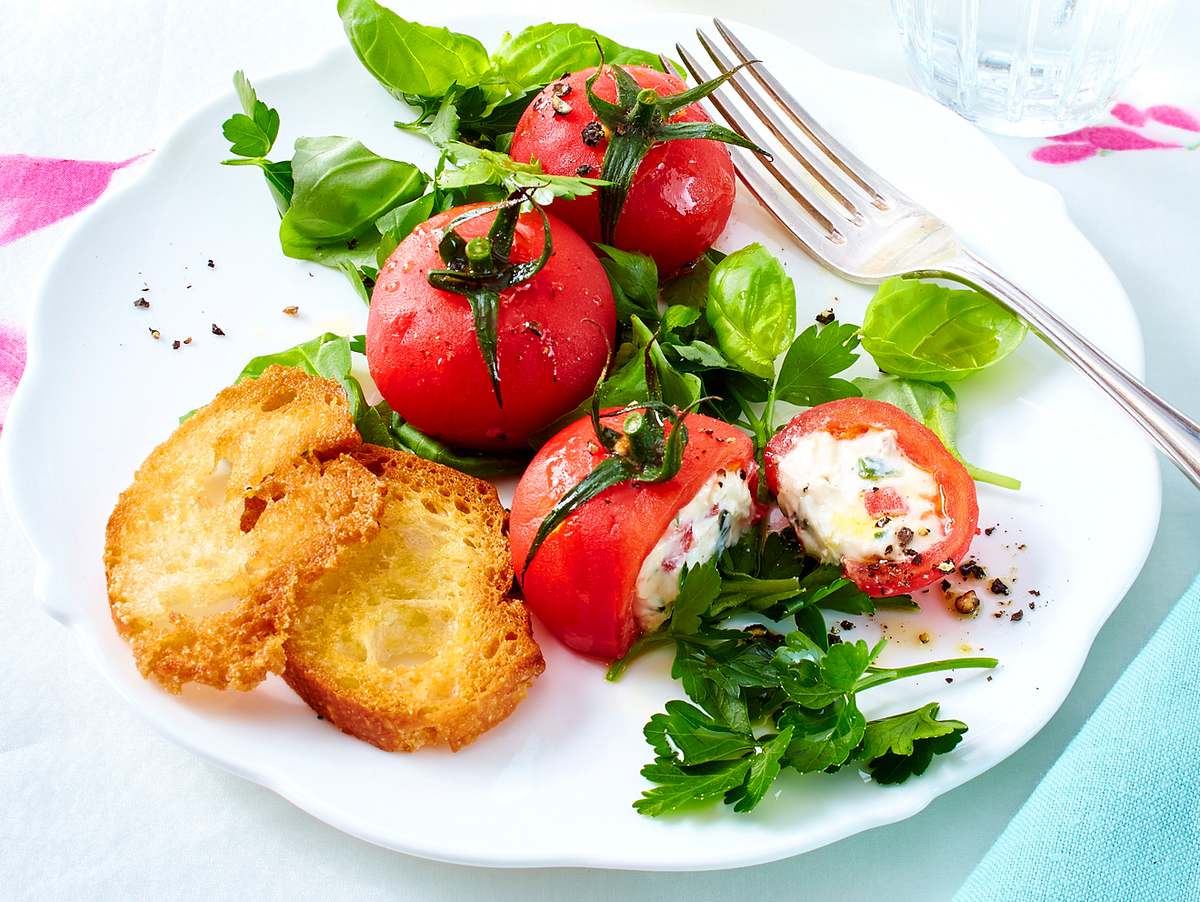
611,570
681,193
867,486
479,383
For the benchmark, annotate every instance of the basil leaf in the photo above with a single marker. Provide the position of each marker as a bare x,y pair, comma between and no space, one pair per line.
752,309
341,189
411,59
634,281
690,289
539,54
814,357
327,355
481,122
380,425
926,331
397,224
934,405
702,354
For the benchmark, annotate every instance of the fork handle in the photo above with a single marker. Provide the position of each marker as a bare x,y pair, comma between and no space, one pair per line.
1176,435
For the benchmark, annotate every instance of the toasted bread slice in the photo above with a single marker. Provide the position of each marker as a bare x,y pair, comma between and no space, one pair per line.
413,639
245,501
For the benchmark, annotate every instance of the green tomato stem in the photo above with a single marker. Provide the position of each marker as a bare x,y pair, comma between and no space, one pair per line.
479,255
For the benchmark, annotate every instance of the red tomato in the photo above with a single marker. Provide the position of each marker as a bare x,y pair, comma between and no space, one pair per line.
682,192
582,582
553,337
852,417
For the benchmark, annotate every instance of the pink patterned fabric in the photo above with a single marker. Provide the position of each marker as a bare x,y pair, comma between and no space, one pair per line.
1174,117
1064,153
1111,137
38,191
12,364
1097,140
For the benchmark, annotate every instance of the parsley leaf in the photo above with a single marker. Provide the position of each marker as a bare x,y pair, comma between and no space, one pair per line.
763,701
678,787
897,733
893,768
698,737
824,738
765,765
474,166
814,682
252,134
698,589
806,376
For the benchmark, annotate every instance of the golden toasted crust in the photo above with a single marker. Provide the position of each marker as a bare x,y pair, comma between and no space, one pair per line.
413,638
247,500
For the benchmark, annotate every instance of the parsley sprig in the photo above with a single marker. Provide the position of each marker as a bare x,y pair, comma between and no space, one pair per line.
251,135
765,697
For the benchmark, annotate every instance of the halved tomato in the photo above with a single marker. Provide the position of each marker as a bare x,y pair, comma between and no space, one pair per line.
881,482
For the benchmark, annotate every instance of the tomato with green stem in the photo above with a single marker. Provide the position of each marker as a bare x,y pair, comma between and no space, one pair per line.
582,577
671,181
487,324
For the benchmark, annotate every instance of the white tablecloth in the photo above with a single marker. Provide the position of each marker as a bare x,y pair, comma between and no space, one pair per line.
95,805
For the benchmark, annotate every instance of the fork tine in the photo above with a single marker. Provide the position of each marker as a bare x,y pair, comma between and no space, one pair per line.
753,180
852,166
803,229
814,167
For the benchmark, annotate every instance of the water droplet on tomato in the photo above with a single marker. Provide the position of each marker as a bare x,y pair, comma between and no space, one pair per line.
677,192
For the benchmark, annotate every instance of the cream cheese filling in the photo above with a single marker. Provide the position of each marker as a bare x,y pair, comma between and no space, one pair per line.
713,520
841,496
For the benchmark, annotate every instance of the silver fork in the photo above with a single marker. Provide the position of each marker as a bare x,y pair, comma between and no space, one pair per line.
855,223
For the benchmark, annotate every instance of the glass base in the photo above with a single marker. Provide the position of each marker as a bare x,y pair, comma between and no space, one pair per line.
1026,128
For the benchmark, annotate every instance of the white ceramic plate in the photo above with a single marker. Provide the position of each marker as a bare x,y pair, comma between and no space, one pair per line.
553,784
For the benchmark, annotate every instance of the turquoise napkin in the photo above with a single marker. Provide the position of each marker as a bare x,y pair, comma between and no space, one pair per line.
1118,816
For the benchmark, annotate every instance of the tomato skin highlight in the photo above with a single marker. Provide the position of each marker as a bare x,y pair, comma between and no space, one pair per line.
582,582
850,417
554,335
681,195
